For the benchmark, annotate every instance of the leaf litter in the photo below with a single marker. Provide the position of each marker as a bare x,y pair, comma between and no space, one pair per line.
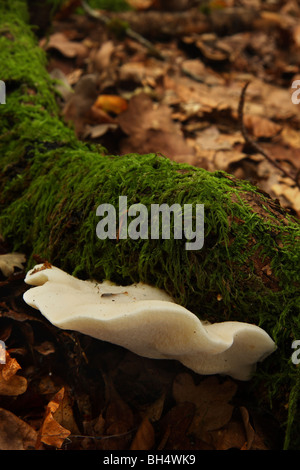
64,390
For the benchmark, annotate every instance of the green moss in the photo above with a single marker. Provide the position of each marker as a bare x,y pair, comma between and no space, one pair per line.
51,185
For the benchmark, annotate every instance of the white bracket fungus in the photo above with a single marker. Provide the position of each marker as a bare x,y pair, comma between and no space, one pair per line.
146,321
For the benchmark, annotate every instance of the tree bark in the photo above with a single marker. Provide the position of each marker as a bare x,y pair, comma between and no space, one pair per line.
51,185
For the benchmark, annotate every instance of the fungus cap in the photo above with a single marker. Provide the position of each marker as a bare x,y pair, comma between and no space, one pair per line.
146,321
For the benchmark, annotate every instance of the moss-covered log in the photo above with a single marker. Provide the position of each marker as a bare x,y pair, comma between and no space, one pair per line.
51,185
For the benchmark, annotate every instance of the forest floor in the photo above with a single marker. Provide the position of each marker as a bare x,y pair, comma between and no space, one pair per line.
178,96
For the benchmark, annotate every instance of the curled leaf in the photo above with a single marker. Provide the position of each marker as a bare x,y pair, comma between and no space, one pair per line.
10,261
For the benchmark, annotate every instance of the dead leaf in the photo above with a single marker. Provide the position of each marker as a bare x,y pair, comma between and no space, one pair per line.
260,126
145,437
291,137
94,132
154,411
62,84
10,383
10,367
102,57
150,128
175,425
140,4
64,414
51,432
254,441
211,399
290,196
10,261
68,48
231,436
119,420
224,158
15,434
111,103
45,348
248,428
2,352
77,109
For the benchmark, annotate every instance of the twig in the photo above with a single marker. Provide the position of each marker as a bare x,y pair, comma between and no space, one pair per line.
252,143
128,31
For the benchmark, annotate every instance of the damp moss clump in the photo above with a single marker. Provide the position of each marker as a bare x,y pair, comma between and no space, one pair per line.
51,185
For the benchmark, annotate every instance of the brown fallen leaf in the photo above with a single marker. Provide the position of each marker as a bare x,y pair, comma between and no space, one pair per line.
211,399
15,434
174,426
261,127
150,128
10,261
145,437
101,57
2,351
119,420
64,413
10,367
10,383
254,441
68,48
231,436
140,4
111,103
78,107
288,195
45,348
99,116
94,132
51,432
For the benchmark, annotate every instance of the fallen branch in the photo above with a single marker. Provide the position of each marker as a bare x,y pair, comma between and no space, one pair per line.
254,144
128,31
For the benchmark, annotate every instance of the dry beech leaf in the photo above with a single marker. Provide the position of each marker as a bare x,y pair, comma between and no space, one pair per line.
210,398
154,411
145,437
64,414
261,127
231,436
2,352
10,367
119,420
291,137
10,383
248,428
45,348
10,261
68,48
15,434
102,57
150,128
290,195
174,426
140,4
51,432
254,441
111,103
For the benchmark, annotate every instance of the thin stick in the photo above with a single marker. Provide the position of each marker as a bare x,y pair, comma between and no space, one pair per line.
129,31
252,143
